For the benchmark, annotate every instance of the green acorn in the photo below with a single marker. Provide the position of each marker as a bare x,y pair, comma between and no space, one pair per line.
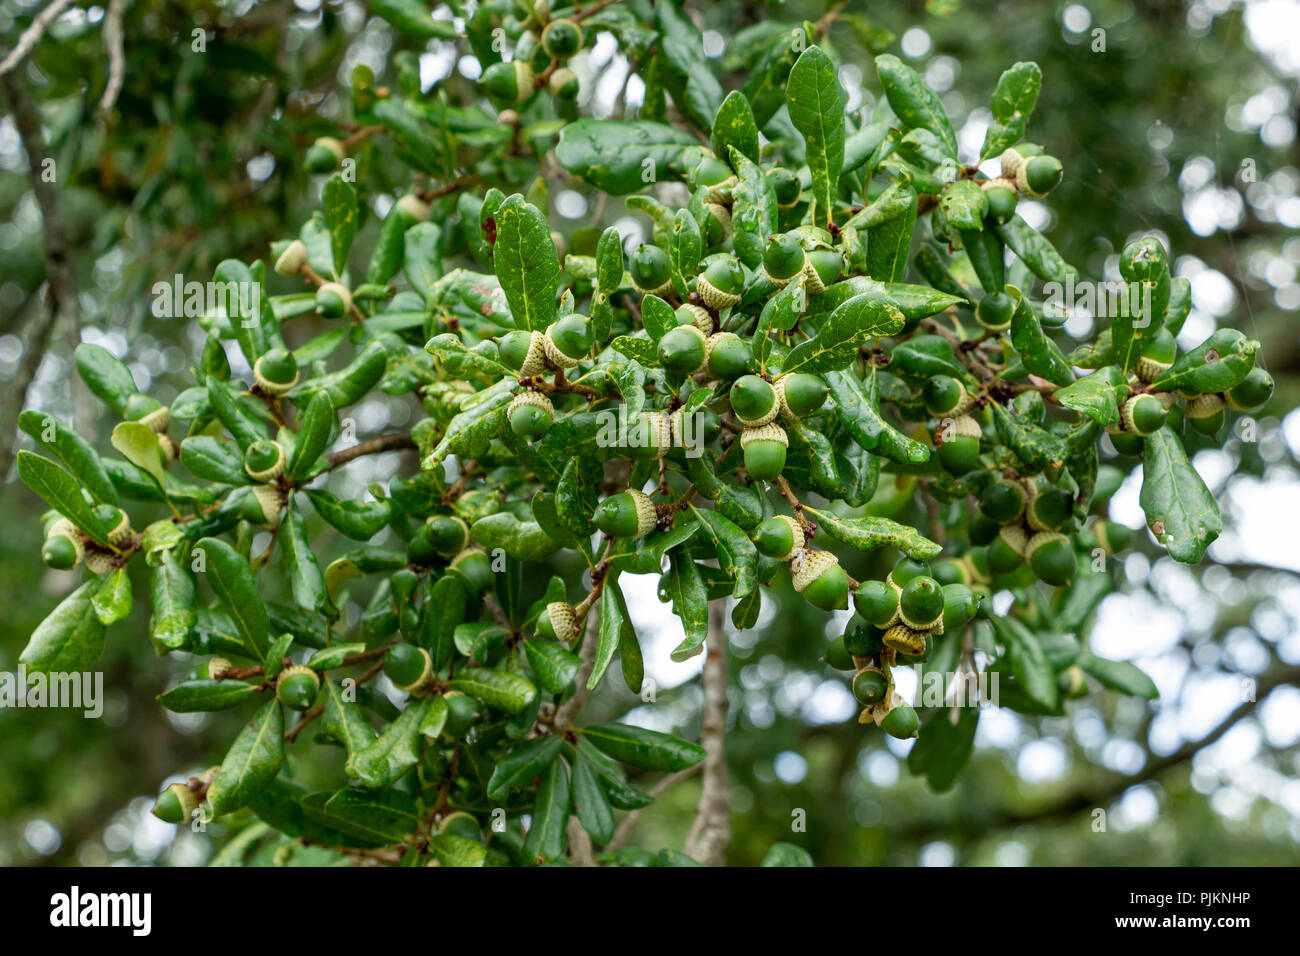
695,315
264,460
413,209
710,171
629,514
333,300
718,225
297,686
512,348
462,711
1205,413
408,667
822,267
1111,536
1003,501
837,656
1002,195
683,350
820,579
557,622
561,39
783,258
291,261
650,436
729,356
764,448
920,606
176,804
1039,175
147,411
870,686
959,606
785,185
862,639
1007,551
650,270
1143,415
569,340
799,394
945,396
275,371
448,534
1157,356
531,415
904,640
779,537
901,722
1127,444
754,401
1049,509
324,155
959,451
951,571
981,529
63,549
995,310
420,550
512,82
904,570
721,282
1252,391
1052,557
1072,682
877,602
476,566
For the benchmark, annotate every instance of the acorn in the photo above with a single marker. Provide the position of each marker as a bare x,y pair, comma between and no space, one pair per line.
324,155
783,258
512,348
569,340
981,529
176,804
1143,415
531,415
1127,444
264,460
837,656
779,537
1003,501
462,711
1157,356
1039,175
959,452
764,448
820,579
754,401
148,411
904,570
721,282
1049,509
861,638
683,350
333,300
729,355
448,534
876,602
291,261
901,722
63,549
476,566
785,185
904,640
944,396
557,622
650,270
650,436
118,523
628,514
696,315
870,686
718,225
263,505
959,606
799,394
1072,682
508,83
1205,413
1052,557
920,606
1007,551
408,667
275,371
413,209
297,686
715,174
1002,196
219,668
1111,536
995,310
822,267
99,562
561,39
1252,391
563,84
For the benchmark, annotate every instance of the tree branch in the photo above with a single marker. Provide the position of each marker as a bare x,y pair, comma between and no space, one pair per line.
371,446
568,711
32,35
711,831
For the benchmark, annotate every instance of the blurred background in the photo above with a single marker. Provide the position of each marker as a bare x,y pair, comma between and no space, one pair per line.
1172,118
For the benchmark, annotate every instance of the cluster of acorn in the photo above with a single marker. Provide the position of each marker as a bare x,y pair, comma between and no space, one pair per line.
1020,521
515,82
66,547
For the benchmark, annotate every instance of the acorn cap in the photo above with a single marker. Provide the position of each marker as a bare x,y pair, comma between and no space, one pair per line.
270,503
291,261
297,686
148,411
764,449
1143,415
323,155
698,316
1205,406
714,284
561,619
1149,369
561,39
333,300
564,84
175,804
819,578
218,668
1014,536
653,436
1003,501
414,208
98,562
780,533
1011,162
905,640
754,401
569,340
264,460
1049,508
822,268
275,371
122,530
535,360
920,606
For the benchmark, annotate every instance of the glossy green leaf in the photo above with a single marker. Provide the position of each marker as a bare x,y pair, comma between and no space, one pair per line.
550,815
71,637
71,450
60,491
315,426
193,696
1099,395
1181,512
112,602
915,103
646,749
394,751
1123,676
232,581
500,689
869,533
251,763
852,325
816,102
1013,101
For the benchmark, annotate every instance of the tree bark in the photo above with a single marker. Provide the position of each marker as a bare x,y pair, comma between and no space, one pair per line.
711,831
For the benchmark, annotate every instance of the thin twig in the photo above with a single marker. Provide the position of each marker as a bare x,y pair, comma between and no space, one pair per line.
116,58
32,35
371,446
